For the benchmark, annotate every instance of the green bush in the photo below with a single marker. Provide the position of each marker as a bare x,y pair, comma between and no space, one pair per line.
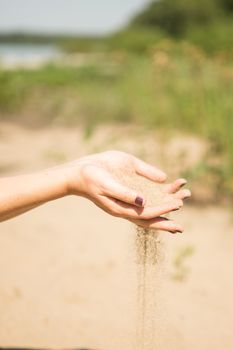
215,38
83,44
135,39
176,87
226,5
176,16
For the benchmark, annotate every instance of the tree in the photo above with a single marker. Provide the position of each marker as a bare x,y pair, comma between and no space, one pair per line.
175,16
227,5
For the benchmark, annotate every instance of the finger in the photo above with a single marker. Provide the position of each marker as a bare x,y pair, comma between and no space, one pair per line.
175,186
149,171
161,209
183,194
128,211
122,193
160,223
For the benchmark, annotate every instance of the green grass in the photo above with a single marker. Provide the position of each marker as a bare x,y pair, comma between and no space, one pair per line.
174,87
180,269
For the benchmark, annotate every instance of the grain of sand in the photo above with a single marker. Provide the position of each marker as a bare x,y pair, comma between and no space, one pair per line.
149,258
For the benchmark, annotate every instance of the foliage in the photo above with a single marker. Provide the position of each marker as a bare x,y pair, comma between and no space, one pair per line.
227,5
27,38
216,38
83,44
180,269
134,39
176,87
176,16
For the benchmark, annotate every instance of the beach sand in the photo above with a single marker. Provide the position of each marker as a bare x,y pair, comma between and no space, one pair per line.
68,272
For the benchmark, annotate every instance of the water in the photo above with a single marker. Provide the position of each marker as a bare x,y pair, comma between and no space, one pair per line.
14,54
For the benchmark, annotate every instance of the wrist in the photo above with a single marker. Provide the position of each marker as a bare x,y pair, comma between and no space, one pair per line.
56,183
71,178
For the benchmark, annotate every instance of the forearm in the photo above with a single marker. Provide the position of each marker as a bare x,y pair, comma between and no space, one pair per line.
94,177
22,193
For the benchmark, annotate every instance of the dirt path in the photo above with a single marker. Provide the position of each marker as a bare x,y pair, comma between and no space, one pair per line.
68,274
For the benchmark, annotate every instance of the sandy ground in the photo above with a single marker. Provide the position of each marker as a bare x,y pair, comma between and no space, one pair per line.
68,272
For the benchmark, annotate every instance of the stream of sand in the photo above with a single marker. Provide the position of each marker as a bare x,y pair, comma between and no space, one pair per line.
149,256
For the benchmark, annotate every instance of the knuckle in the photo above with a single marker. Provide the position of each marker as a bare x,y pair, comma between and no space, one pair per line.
128,197
112,152
143,216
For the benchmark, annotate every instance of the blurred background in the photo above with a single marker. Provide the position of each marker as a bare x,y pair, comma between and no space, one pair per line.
153,78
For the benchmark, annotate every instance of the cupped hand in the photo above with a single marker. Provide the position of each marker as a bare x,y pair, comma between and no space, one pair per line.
95,177
172,191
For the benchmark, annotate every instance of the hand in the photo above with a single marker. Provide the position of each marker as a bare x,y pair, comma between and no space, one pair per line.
171,191
95,177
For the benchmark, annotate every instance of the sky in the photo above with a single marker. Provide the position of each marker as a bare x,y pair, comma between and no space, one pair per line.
67,16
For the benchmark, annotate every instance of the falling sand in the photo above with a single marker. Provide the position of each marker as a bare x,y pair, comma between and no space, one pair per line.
149,257
148,279
148,250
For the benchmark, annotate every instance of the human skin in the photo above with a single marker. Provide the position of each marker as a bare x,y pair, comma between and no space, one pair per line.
93,177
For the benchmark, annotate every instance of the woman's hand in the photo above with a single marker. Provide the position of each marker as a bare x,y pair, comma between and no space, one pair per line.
95,177
171,191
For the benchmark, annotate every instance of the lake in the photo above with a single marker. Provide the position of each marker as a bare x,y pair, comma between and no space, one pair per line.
27,54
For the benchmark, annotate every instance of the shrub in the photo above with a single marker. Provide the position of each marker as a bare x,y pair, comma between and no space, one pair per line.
176,16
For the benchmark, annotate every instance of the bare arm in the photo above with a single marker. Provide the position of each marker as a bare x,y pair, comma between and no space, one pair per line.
21,193
93,177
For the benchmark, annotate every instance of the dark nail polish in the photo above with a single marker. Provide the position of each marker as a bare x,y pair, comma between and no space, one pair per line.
139,201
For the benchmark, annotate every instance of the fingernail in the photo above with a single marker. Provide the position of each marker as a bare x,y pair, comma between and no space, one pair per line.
184,182
175,209
174,232
139,201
